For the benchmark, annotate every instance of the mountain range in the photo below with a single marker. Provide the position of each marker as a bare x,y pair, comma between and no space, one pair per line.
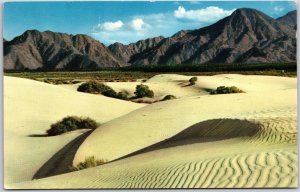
246,36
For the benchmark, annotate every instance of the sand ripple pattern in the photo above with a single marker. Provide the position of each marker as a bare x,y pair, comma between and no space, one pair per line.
276,130
261,170
255,170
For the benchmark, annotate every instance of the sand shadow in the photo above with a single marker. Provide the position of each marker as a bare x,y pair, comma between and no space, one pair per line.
39,135
60,162
206,131
187,85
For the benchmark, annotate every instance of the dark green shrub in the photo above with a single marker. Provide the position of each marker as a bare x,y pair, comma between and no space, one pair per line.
193,80
110,93
168,97
143,91
93,87
71,123
89,162
226,90
100,88
123,95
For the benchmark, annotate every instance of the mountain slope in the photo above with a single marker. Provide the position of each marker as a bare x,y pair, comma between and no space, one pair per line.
289,19
49,50
247,35
128,53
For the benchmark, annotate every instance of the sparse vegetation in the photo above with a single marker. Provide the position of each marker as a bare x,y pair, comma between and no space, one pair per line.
93,87
133,73
100,88
168,97
193,80
58,81
143,91
71,123
89,162
110,93
123,95
226,90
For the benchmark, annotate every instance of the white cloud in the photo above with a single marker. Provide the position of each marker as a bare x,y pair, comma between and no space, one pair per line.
207,14
111,26
137,24
278,9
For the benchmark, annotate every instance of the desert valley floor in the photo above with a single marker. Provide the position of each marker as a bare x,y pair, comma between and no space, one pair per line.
198,140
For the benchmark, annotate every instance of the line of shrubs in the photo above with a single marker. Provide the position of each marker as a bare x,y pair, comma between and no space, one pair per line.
100,88
226,90
71,123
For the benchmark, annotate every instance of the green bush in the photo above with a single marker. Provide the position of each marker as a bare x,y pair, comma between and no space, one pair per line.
100,88
193,80
123,95
226,90
89,162
110,93
71,123
93,87
168,97
143,91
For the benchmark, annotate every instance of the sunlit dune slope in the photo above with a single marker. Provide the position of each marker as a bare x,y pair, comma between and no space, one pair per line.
30,107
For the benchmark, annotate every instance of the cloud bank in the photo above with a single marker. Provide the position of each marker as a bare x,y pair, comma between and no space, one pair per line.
208,14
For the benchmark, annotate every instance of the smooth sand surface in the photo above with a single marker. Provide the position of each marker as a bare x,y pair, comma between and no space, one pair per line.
30,107
206,141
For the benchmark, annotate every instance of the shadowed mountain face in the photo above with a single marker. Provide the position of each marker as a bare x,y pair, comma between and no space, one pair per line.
246,36
49,50
128,53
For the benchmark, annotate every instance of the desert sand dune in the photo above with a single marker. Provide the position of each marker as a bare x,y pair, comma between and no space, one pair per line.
178,85
159,121
241,162
160,89
207,141
30,107
206,131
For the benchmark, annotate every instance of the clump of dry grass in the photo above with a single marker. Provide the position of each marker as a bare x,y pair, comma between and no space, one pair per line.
88,163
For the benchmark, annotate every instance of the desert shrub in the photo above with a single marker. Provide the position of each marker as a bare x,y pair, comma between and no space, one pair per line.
168,97
123,95
143,91
226,90
89,162
93,87
110,93
100,88
193,80
71,123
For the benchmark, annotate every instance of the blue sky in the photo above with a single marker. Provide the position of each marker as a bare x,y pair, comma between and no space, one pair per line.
125,22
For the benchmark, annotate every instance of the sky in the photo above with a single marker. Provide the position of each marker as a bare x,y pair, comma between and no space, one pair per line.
125,22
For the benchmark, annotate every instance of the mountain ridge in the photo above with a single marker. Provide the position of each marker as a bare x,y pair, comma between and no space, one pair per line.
246,36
